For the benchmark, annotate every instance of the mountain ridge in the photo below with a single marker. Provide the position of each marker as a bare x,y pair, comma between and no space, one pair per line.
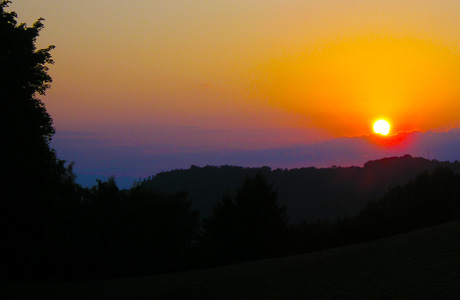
309,193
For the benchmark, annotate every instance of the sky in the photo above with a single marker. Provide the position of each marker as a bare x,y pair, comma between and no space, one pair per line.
146,86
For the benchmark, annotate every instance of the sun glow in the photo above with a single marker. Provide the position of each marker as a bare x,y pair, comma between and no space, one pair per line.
366,75
382,127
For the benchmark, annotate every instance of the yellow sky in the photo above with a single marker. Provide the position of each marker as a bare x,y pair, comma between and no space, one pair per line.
329,68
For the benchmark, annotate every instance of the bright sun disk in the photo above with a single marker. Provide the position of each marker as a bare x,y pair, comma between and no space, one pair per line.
382,127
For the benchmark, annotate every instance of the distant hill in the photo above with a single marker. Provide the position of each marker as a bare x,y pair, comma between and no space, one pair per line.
309,193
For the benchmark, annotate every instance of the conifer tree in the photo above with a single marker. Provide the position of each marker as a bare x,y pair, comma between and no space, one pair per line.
249,225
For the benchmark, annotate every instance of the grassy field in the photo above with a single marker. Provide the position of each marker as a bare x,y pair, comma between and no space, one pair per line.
420,265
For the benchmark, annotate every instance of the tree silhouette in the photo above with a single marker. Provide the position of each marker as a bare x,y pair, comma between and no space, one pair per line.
25,121
130,233
157,230
249,225
25,126
32,179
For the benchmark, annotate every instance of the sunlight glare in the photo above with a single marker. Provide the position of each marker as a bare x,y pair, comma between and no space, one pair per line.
382,127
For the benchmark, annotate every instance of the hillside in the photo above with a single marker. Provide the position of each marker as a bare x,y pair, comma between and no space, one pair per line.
309,193
418,265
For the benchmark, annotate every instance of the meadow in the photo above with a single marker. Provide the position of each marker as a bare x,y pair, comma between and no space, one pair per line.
423,264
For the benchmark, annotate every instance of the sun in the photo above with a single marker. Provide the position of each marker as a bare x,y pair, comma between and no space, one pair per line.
382,127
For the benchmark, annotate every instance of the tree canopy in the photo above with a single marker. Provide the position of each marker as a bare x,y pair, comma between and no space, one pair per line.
34,183
24,74
26,127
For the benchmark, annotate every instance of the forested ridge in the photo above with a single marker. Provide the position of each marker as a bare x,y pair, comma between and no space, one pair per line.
309,193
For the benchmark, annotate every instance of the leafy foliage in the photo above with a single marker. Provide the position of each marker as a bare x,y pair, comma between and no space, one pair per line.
24,74
37,188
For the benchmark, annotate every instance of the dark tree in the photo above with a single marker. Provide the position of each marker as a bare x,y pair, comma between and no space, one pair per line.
25,126
25,123
249,225
32,179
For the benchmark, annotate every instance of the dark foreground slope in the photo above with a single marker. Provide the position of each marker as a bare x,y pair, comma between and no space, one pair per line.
420,265
309,193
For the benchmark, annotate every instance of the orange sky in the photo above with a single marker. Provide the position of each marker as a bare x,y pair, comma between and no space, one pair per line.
307,70
346,85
